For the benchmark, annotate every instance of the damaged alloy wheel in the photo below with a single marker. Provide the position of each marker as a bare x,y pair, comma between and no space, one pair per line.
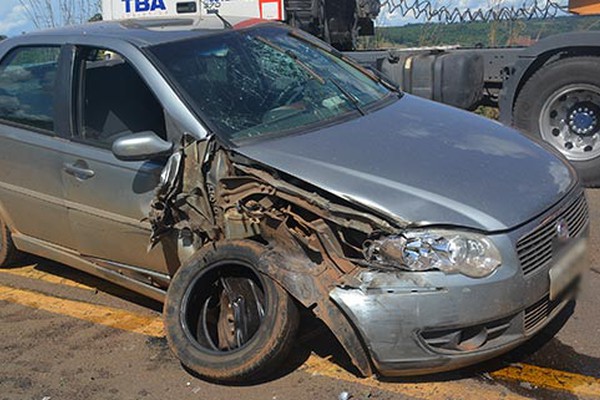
225,320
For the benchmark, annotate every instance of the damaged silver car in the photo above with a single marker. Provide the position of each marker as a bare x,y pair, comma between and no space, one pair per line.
242,171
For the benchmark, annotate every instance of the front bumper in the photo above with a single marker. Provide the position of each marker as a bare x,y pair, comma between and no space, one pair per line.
418,323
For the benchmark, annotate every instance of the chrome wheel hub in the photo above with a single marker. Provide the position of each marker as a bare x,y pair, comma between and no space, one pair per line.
569,121
583,119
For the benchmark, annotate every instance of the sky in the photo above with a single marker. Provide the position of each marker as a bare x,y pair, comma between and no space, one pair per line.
13,18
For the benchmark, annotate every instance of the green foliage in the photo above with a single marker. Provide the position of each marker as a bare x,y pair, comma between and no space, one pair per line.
96,18
32,56
496,33
488,112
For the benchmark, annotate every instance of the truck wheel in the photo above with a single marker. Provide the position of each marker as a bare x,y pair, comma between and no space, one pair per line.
8,253
225,320
561,104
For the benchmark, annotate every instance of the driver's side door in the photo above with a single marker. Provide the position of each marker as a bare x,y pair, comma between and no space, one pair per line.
108,198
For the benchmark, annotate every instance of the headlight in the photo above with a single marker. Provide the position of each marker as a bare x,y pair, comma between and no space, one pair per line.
468,253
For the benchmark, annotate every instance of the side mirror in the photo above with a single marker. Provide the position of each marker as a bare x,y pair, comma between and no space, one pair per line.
140,146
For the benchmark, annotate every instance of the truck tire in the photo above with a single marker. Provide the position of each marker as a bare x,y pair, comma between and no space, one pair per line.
560,104
225,320
9,255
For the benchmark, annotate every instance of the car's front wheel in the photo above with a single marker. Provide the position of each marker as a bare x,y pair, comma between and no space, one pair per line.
225,320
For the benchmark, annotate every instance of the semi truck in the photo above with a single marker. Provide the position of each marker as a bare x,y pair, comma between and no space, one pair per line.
550,90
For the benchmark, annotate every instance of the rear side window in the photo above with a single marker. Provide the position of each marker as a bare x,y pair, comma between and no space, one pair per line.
27,86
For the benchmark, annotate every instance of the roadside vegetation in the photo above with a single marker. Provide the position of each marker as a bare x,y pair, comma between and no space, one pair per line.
496,33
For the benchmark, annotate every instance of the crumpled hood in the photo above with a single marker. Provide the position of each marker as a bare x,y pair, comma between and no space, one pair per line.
427,164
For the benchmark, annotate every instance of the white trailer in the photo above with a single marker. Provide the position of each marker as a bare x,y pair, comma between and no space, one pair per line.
125,9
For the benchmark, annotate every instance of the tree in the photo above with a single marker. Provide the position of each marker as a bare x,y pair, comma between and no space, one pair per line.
55,13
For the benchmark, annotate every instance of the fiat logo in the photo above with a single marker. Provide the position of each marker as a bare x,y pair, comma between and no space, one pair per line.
562,230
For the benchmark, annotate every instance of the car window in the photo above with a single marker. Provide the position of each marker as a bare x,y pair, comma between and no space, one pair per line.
27,87
115,100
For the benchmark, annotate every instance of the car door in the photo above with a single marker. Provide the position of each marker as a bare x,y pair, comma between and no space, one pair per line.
31,144
108,198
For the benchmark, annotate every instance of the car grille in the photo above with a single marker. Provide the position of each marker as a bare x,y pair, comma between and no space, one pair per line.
537,313
535,248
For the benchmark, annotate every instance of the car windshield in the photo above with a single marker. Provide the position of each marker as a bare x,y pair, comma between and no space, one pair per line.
265,80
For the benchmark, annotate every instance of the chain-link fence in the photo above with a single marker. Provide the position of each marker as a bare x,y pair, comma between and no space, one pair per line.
494,10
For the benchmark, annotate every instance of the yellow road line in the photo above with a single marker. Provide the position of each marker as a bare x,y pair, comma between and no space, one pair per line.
107,316
32,272
576,384
548,378
153,326
428,390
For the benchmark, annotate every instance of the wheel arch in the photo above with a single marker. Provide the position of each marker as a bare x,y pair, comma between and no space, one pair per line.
312,291
538,56
5,216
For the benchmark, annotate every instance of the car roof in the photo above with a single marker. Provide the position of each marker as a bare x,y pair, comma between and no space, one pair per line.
150,31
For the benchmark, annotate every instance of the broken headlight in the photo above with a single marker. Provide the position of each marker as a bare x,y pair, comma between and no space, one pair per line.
467,253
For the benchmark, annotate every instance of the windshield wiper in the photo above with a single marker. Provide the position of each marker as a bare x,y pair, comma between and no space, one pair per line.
353,100
374,76
226,24
294,57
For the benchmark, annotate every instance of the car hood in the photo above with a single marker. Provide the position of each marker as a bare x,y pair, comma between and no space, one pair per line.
426,164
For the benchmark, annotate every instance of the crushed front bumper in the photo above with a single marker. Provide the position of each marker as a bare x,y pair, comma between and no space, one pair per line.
427,322
411,332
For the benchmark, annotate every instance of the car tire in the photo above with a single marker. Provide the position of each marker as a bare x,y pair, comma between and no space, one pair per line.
560,104
213,316
9,254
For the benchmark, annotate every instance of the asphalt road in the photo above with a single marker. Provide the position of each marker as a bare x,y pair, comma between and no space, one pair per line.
66,335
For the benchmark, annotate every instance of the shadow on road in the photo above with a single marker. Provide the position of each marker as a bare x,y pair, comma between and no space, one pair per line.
63,271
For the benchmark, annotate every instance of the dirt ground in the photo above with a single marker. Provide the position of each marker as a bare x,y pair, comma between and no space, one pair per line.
66,335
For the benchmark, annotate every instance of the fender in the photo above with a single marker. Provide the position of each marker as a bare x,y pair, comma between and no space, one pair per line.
5,216
536,56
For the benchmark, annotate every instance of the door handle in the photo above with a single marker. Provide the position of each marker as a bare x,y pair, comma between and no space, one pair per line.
79,170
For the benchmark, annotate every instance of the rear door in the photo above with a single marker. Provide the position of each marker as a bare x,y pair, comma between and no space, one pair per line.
108,198
32,142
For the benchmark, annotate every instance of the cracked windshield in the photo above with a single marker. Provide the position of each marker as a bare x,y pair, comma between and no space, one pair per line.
265,81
